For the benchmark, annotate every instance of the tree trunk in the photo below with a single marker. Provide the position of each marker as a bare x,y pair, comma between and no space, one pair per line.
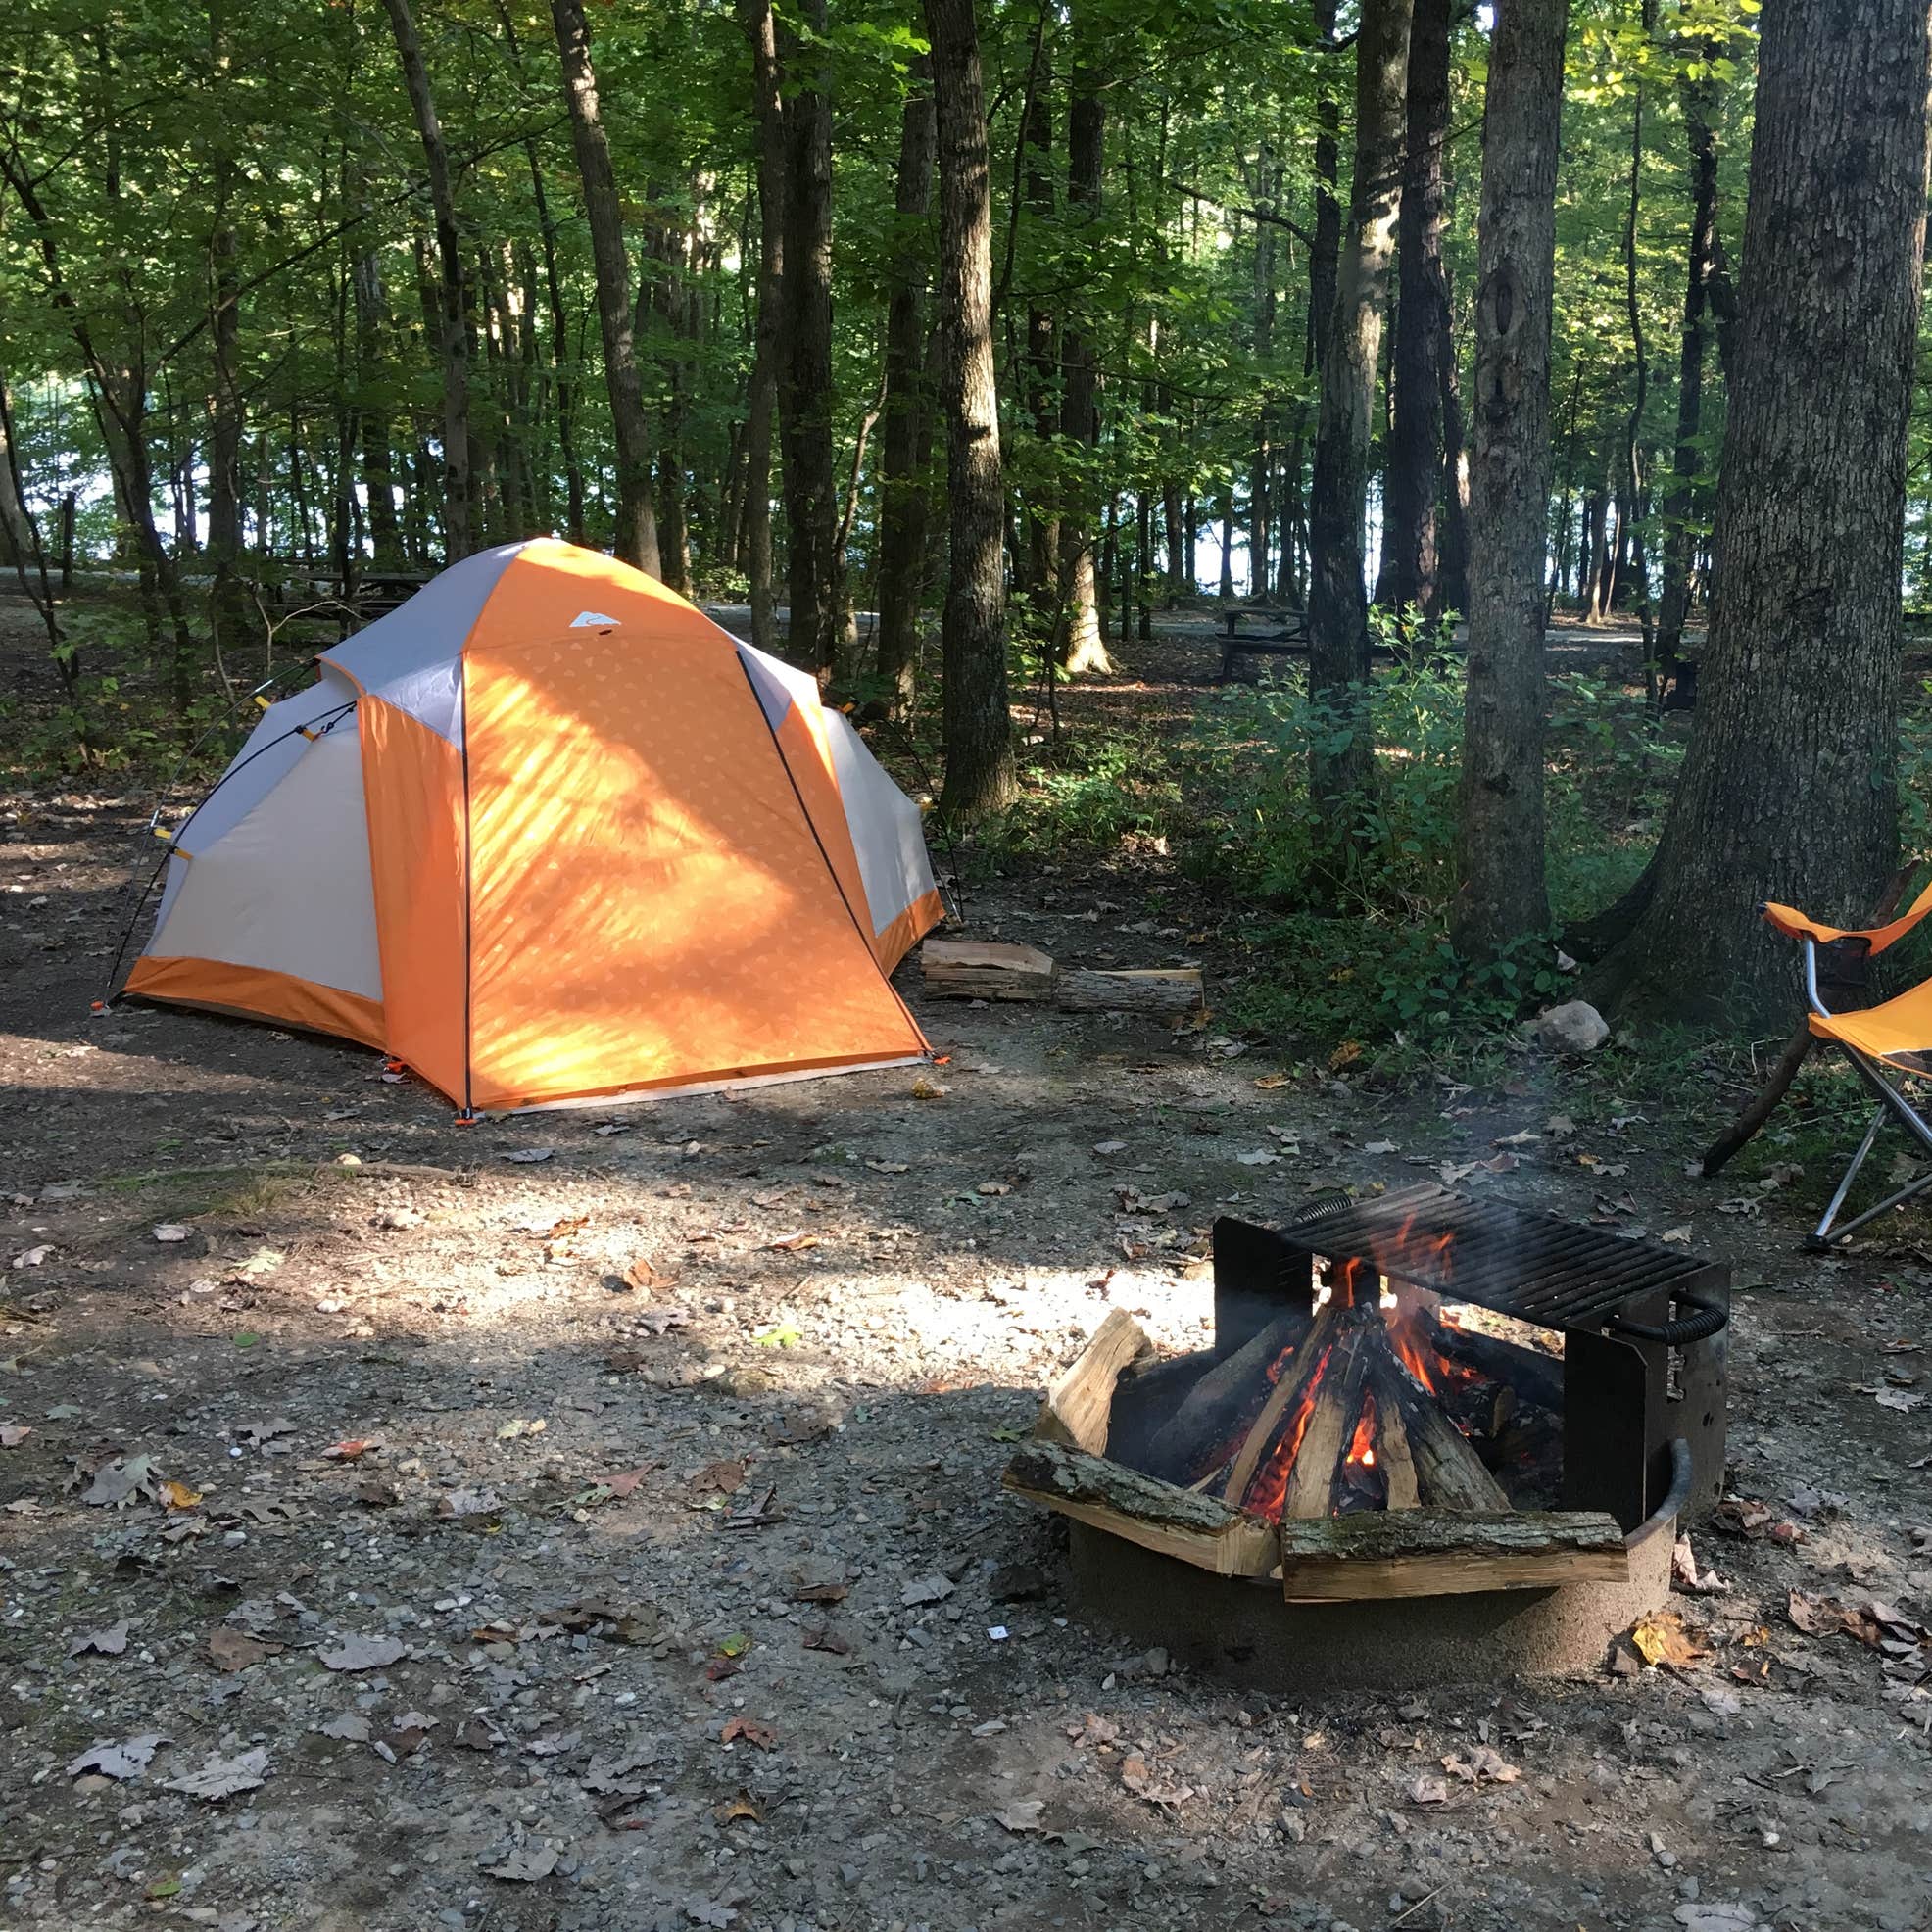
1260,506
804,369
637,514
1422,328
977,729
1083,647
228,604
1501,897
453,322
761,28
1699,102
902,495
1789,790
671,297
1452,563
372,418
1042,552
1338,615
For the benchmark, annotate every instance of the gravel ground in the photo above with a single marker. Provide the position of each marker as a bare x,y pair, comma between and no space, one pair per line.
589,1520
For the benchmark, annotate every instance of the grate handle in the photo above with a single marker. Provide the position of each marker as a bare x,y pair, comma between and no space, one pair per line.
1711,1317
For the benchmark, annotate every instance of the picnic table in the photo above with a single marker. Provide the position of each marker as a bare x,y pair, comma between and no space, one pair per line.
361,597
1286,637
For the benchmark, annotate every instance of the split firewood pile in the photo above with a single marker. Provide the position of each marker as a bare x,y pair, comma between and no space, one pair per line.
1366,1446
983,968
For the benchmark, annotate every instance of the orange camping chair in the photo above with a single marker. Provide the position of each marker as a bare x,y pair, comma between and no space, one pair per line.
1894,1036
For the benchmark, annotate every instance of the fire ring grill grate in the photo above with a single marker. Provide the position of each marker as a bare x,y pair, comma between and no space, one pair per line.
1517,1261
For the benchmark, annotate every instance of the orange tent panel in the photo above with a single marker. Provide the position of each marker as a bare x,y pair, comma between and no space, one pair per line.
648,905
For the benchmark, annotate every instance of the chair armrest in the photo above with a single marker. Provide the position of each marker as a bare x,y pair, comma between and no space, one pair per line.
1794,925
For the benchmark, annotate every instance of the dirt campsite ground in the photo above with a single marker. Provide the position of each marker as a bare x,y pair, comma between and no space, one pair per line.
375,1555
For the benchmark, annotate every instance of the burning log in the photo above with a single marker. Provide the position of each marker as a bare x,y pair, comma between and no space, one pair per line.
1398,1466
1216,1402
1282,1403
1337,1404
1535,1377
1198,1529
1419,1553
1448,1471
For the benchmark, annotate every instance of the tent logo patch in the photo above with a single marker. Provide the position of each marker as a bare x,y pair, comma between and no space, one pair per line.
584,618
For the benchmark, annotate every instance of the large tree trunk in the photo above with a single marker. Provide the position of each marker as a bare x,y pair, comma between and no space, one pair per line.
977,729
761,30
1501,897
1789,790
637,514
1697,99
1261,458
1083,648
1338,613
378,478
902,497
1042,522
1421,327
1325,257
453,322
804,371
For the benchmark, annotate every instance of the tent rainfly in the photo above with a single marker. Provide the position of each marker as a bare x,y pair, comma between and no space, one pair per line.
546,834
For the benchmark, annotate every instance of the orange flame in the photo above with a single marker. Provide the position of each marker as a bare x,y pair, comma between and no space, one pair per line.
1267,1489
1362,1444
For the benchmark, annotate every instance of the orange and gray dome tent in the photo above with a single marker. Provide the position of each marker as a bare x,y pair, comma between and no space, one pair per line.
544,834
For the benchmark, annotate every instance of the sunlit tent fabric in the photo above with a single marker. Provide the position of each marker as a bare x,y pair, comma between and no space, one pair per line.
546,832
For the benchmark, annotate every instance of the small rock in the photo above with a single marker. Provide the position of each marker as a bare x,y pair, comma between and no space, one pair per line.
1575,1027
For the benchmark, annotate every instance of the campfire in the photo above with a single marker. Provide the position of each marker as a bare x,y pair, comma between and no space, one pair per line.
1417,1395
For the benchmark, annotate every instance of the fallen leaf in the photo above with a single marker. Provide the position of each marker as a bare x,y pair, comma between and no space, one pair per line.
1525,1138
108,1642
351,1727
927,1589
13,1434
348,1450
529,1155
724,1478
34,1257
363,1653
116,1483
223,1777
127,1759
235,1650
792,1243
467,1502
1021,1815
1483,1765
1897,1398
1664,1639
525,1865
821,1592
1344,1056
1681,1237
889,1167
173,1231
1110,1146
520,1427
993,1188
929,1089
1429,1791
642,1277
1559,1127
624,1483
1378,1148
177,1495
1259,1157
704,1911
762,1735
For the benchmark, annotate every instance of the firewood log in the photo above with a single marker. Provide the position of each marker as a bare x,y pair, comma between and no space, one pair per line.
1215,1403
1393,1457
1429,1553
1282,1401
1448,1472
972,969
1338,1407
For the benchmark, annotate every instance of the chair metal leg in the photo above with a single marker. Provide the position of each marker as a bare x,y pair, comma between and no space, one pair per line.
1820,1235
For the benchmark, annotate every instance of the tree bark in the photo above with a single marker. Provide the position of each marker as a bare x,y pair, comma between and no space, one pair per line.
761,30
1083,648
1042,554
902,495
453,322
637,514
373,416
1501,897
1338,614
1789,790
977,729
804,369
1697,99
1414,475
